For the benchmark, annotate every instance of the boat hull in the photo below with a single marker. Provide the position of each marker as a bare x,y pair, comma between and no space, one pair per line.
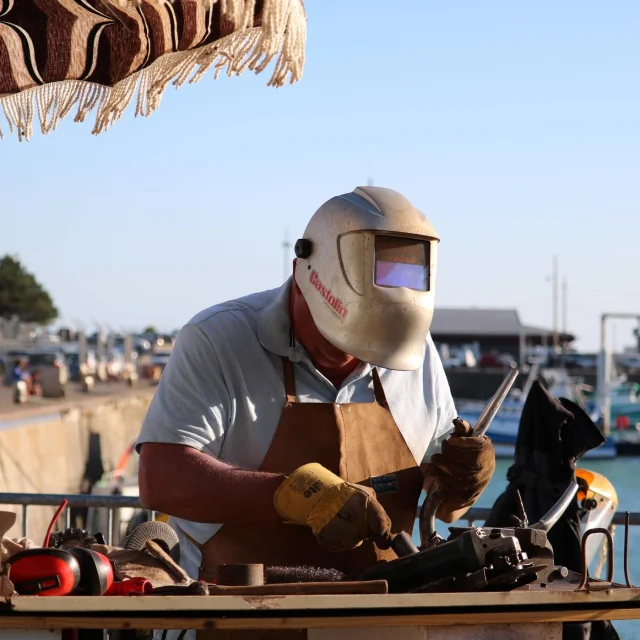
504,433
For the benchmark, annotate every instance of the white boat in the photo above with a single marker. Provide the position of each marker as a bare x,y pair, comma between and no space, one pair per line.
504,428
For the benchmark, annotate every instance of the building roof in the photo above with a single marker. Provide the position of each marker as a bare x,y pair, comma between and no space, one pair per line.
538,331
473,321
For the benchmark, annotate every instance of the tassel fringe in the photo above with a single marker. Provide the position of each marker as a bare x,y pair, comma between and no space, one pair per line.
282,34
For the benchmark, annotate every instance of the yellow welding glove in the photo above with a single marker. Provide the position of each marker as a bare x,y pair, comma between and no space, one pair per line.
340,514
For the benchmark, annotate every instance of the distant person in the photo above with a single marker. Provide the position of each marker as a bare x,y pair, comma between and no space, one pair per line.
21,381
20,371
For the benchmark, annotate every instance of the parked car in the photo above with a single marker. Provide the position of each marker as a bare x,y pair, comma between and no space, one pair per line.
154,365
88,367
52,371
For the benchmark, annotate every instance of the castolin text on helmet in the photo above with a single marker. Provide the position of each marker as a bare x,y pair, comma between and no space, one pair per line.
332,301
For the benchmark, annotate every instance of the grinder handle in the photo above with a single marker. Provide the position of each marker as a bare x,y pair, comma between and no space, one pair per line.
403,546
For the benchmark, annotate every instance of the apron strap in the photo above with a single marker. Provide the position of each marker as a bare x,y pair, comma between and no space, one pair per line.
289,380
378,390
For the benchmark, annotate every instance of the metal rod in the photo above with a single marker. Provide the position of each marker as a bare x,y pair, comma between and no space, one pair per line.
24,520
492,408
555,302
564,305
627,518
585,567
612,530
555,513
67,518
604,368
110,526
481,514
82,500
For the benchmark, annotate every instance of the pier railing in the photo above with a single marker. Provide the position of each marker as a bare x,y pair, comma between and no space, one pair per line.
112,504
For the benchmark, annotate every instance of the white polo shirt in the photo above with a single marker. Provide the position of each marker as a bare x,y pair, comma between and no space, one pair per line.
222,392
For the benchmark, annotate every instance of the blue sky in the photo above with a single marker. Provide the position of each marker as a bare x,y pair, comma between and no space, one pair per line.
515,126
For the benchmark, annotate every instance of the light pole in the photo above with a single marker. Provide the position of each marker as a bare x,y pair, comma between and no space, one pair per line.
554,280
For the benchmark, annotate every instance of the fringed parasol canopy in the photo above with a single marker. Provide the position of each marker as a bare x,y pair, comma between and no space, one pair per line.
84,55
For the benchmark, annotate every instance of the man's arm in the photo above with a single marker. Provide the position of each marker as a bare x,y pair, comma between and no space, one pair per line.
179,471
186,483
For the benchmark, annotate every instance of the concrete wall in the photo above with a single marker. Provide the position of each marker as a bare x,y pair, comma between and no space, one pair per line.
46,451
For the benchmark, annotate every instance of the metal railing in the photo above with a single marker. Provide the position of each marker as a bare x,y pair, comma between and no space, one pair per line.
113,503
473,515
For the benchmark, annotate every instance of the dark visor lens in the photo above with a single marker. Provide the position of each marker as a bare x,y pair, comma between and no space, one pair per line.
402,262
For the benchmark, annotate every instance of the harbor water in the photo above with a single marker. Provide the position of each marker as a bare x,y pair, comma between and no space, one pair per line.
624,474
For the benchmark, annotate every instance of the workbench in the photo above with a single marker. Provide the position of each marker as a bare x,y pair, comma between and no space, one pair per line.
537,613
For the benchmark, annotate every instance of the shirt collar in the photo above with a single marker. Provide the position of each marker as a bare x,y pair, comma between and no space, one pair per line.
275,333
274,325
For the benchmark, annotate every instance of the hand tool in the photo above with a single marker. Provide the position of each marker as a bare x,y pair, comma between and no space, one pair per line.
428,535
478,558
402,543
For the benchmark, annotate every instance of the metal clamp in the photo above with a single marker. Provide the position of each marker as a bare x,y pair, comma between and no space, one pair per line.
584,584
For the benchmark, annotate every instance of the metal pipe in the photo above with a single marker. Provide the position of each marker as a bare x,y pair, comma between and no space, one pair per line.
110,527
604,368
555,513
603,377
24,519
585,567
626,549
82,500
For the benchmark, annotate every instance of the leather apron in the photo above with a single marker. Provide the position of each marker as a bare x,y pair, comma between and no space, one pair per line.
361,443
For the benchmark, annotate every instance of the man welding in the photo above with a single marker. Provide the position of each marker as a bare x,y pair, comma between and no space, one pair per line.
298,426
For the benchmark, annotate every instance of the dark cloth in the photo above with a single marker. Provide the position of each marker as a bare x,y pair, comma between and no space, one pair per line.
552,436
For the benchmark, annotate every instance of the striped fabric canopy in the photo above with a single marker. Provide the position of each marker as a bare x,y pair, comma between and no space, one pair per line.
57,56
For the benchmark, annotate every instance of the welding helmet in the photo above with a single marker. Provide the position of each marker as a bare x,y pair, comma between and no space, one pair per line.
366,266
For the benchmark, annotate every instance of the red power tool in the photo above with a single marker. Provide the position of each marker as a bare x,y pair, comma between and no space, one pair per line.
55,572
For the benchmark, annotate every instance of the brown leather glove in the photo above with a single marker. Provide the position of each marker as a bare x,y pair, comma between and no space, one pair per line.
362,517
340,514
461,472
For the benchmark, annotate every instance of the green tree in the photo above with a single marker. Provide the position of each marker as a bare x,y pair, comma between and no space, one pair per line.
22,295
151,330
